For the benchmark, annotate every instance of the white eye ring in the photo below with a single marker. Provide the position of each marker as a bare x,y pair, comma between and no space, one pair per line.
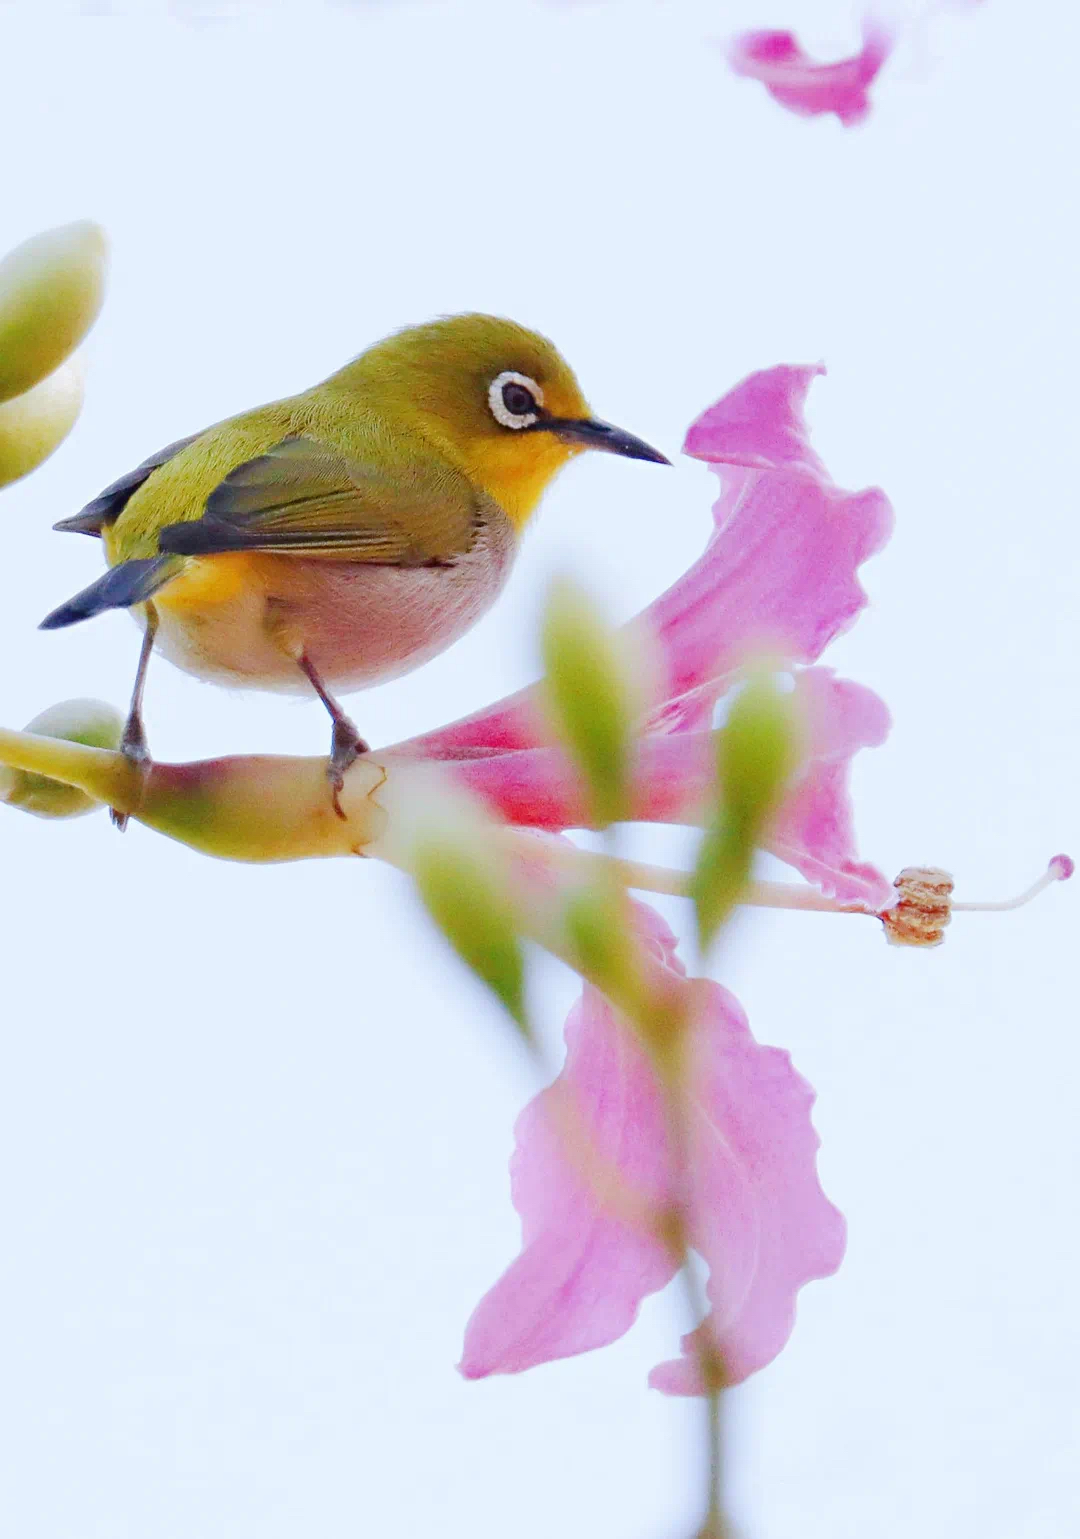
498,406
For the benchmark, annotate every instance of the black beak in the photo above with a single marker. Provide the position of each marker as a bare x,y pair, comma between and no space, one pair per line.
601,435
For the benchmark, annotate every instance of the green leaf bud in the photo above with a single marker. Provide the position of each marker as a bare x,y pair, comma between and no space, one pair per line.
595,693
51,290
464,885
602,943
756,754
34,424
90,722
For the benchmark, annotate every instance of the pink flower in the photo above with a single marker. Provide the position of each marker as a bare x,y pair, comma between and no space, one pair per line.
793,79
780,572
757,1215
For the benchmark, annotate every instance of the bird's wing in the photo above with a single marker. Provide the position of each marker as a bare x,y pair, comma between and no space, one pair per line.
108,505
306,498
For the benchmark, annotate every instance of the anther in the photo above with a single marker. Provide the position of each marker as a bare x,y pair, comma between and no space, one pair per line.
923,908
925,905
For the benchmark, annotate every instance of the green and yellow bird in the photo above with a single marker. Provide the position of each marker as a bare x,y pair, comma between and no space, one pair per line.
343,536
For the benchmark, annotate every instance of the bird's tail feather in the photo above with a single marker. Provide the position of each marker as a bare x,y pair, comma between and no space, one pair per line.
132,582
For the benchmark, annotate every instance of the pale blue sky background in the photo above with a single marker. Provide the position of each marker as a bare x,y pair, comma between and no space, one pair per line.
254,1123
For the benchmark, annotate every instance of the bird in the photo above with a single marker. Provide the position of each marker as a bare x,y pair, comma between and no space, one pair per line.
343,536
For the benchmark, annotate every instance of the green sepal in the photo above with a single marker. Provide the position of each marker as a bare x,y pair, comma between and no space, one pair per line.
594,696
463,888
755,756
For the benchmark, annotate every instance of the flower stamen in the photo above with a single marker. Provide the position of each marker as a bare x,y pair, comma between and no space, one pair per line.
923,908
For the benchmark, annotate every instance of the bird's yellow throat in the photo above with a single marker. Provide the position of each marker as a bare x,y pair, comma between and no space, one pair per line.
517,471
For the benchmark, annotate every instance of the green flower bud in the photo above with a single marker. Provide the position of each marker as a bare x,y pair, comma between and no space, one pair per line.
601,942
51,289
465,887
604,946
756,754
595,693
34,424
90,722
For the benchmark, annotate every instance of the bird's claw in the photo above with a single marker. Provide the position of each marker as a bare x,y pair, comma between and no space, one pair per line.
133,746
346,746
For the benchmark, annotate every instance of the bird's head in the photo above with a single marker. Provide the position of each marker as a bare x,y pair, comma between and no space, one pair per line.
500,400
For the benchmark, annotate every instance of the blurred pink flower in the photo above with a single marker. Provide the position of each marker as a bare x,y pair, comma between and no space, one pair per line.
756,1213
793,79
779,572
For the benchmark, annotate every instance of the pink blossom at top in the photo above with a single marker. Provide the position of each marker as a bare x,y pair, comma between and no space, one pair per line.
756,1212
803,86
780,570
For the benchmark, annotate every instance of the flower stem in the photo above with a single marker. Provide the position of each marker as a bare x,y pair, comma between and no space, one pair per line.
715,1524
105,775
800,897
672,1067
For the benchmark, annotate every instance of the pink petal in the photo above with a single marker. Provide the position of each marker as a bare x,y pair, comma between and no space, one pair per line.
760,1218
793,79
691,711
673,778
778,571
582,1272
540,787
814,830
514,722
758,1214
760,424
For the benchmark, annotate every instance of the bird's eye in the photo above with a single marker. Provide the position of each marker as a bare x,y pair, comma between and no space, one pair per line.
515,399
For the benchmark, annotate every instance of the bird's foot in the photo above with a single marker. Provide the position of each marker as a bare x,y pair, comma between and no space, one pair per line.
346,746
135,750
